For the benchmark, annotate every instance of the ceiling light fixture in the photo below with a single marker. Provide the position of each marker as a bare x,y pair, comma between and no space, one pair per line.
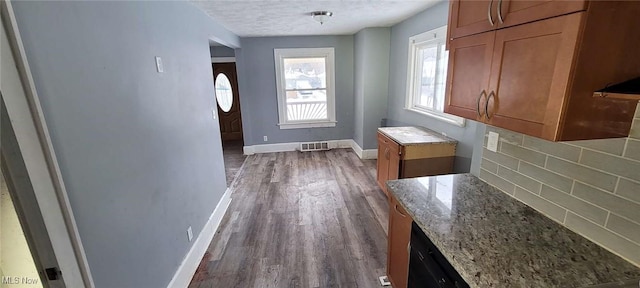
321,16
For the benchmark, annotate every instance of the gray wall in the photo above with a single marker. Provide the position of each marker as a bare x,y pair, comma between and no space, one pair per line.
429,19
221,51
139,151
257,88
371,83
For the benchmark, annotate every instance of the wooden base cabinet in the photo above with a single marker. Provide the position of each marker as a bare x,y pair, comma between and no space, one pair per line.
399,238
405,152
538,78
388,161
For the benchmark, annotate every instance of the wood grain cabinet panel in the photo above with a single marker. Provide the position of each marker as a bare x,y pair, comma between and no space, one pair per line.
405,152
388,161
468,75
547,59
397,161
469,17
399,238
530,67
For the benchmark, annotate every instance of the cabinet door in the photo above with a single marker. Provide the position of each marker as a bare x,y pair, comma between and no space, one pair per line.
471,17
399,237
394,161
515,12
468,75
383,162
529,75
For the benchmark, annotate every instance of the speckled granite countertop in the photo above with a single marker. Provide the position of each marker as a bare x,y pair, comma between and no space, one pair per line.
495,241
407,136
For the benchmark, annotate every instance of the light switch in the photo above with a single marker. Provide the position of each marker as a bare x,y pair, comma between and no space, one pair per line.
213,113
492,143
159,64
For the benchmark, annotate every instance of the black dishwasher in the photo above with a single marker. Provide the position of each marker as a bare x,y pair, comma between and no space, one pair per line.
427,266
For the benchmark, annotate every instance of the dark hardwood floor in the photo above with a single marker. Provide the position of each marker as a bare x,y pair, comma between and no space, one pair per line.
233,158
313,219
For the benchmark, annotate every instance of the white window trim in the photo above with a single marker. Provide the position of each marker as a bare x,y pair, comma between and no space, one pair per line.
435,35
279,56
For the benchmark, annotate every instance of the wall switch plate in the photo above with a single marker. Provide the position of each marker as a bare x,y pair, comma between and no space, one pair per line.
214,114
159,64
492,143
265,138
189,234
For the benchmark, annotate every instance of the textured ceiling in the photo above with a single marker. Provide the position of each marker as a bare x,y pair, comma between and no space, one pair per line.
252,18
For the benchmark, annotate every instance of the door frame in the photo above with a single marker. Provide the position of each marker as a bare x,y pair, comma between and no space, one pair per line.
34,143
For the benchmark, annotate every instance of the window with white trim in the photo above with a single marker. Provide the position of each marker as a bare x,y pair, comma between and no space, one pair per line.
305,87
427,75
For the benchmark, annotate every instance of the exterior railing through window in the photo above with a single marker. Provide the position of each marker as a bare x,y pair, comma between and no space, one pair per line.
307,110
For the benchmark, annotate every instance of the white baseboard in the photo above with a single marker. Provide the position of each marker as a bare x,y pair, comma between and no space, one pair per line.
187,269
293,146
364,154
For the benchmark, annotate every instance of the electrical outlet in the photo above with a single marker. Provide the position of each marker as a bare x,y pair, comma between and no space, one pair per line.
189,234
492,143
159,64
265,138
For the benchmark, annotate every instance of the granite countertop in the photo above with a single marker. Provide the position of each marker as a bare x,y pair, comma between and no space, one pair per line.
407,136
493,240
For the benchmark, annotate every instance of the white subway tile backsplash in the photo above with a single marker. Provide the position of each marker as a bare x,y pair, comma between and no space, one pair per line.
592,186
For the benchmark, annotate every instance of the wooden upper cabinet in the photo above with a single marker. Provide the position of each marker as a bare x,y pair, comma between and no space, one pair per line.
468,75
542,73
468,17
515,12
529,71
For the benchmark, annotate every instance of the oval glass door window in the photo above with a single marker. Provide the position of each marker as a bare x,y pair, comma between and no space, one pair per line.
224,95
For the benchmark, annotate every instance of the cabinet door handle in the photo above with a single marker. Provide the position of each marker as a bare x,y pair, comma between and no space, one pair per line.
386,152
478,106
500,12
486,106
398,211
489,14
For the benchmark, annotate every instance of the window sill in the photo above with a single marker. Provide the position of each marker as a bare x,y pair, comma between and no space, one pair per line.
307,125
453,120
